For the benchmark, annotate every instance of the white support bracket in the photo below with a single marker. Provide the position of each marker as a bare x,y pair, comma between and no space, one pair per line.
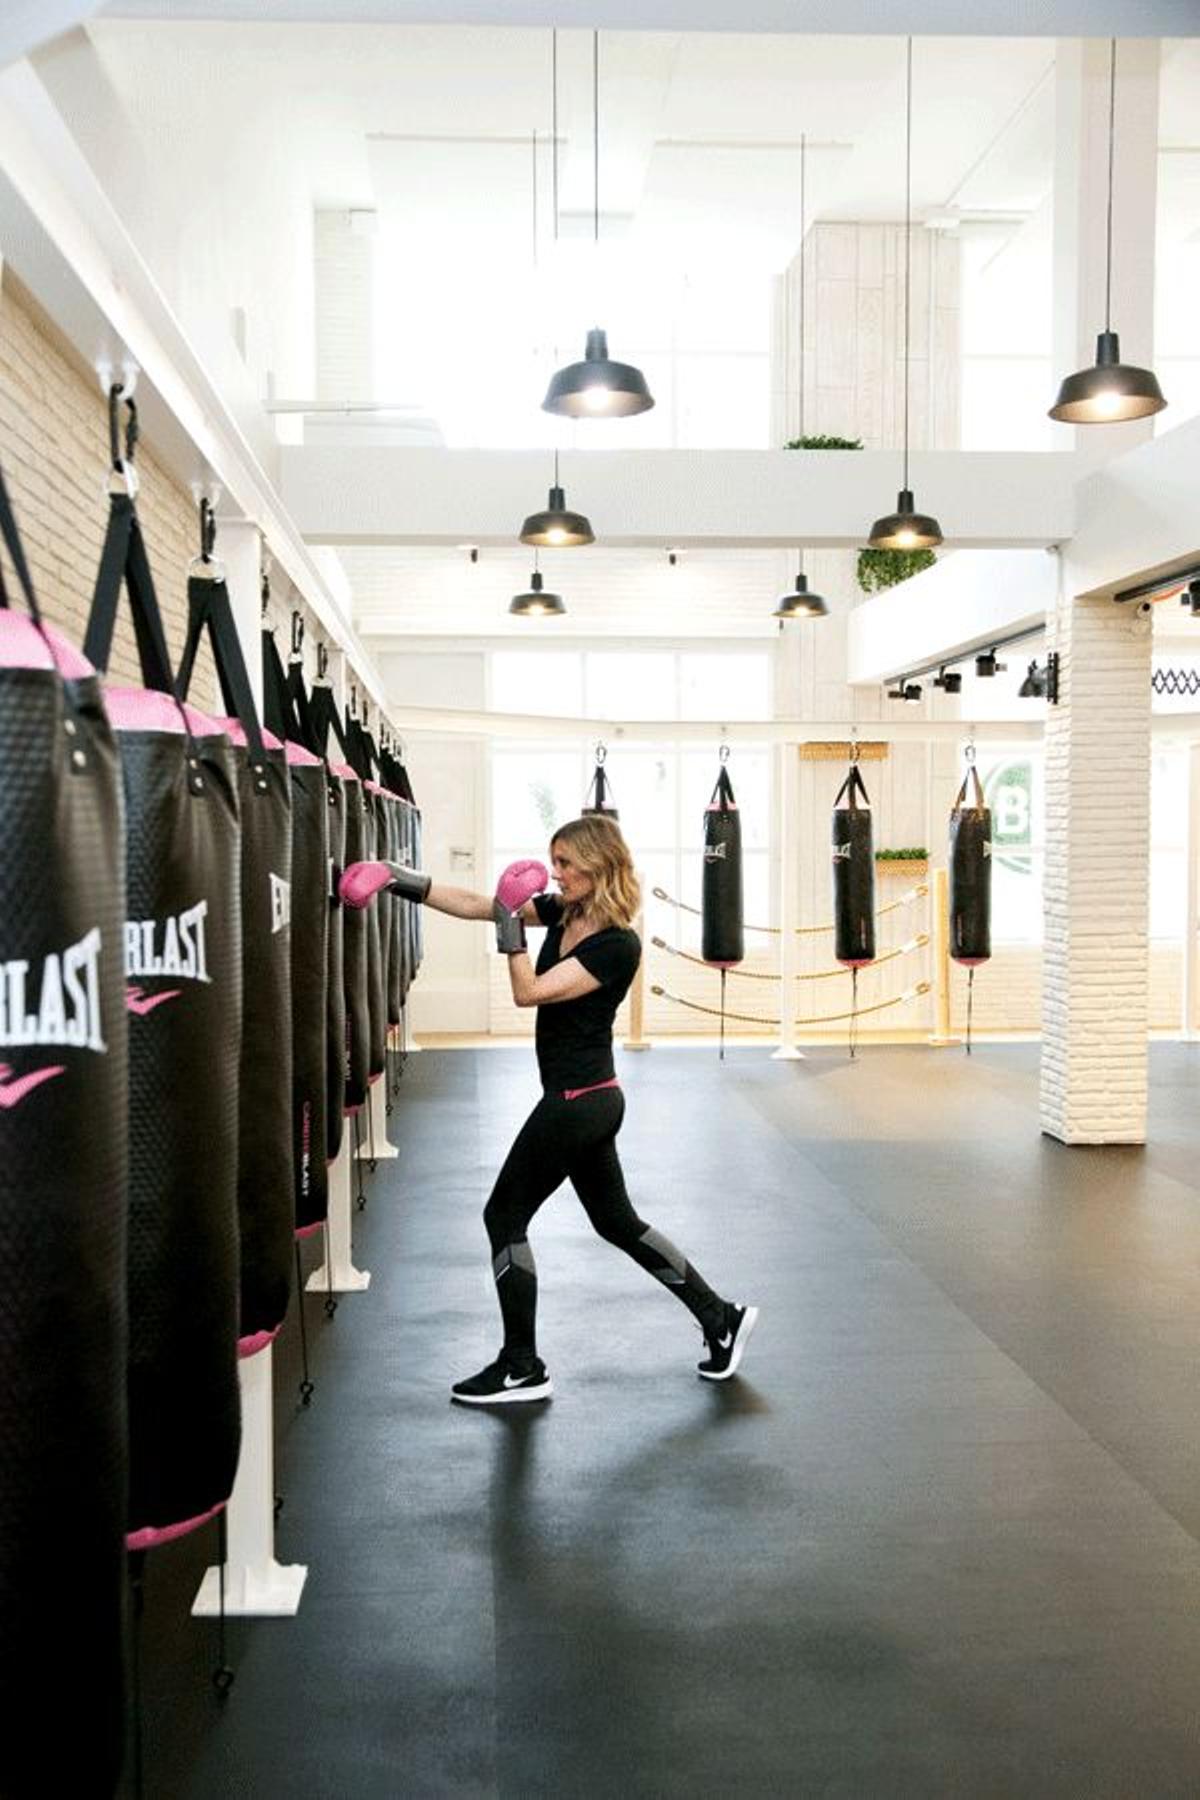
337,1273
374,1146
256,1586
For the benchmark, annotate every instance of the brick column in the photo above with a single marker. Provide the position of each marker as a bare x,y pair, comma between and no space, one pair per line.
1096,964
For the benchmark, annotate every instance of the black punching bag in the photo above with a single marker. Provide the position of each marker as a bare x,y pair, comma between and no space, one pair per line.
598,795
310,929
183,973
722,940
63,1172
355,1059
853,874
970,876
266,1202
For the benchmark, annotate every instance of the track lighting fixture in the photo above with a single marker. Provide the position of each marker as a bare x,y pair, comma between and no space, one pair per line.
906,528
986,665
1191,597
597,387
673,558
1110,391
949,680
905,690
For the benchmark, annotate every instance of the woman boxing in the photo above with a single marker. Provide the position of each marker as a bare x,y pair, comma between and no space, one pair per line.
584,969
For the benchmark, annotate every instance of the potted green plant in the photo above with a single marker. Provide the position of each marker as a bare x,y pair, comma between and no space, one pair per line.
822,442
880,569
910,862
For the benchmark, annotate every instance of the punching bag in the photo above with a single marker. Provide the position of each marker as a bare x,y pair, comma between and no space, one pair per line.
598,796
183,994
315,718
721,939
355,1056
970,876
853,874
309,931
360,754
266,1208
63,1171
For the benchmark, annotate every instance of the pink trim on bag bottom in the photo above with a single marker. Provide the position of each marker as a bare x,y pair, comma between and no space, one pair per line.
145,709
353,1111
574,1093
151,1535
235,732
22,646
256,1341
344,770
856,962
299,757
372,1079
307,1231
716,963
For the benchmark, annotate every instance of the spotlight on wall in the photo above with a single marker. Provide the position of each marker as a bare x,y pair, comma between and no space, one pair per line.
904,690
949,680
1191,597
912,692
897,692
471,551
986,665
1034,685
673,557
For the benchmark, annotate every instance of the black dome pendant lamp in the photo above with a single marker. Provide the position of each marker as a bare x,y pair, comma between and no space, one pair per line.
597,387
800,604
536,603
1111,391
906,528
556,528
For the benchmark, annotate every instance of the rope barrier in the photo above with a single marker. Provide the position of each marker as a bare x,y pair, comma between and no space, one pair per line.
917,943
906,899
912,993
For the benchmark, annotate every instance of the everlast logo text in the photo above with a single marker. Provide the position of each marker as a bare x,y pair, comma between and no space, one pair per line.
281,903
67,1007
171,946
715,852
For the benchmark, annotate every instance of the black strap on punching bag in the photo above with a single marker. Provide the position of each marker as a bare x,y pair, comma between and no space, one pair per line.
183,970
597,800
63,1210
970,861
265,1152
722,940
853,883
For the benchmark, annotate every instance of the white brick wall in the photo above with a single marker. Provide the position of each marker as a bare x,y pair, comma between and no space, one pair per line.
1096,983
342,264
54,453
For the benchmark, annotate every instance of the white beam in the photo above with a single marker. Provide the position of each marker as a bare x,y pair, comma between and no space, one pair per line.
949,611
380,495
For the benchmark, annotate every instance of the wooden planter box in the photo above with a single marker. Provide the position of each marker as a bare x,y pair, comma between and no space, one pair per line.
909,869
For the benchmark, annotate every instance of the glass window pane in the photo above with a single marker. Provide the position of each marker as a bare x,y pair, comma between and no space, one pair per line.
642,786
714,685
630,684
533,791
537,681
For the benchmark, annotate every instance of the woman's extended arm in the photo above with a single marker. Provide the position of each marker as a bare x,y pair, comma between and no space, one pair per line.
567,980
461,903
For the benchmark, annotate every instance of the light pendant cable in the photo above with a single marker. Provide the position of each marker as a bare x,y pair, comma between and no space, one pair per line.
1111,391
799,603
906,528
597,387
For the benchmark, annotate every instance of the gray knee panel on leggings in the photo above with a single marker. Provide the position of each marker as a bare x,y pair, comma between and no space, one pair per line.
520,1254
674,1270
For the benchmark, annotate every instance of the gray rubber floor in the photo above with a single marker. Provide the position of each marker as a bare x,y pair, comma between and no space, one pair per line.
939,1538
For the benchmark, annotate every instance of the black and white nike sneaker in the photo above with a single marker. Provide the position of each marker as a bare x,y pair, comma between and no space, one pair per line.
502,1382
726,1346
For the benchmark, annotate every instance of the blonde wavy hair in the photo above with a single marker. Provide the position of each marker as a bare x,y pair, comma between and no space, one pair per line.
596,844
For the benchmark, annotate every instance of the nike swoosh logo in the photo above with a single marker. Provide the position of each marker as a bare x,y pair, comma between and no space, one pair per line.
725,1341
13,1092
515,1380
138,1002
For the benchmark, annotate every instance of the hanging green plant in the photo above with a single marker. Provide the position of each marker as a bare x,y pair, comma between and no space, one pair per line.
823,443
880,569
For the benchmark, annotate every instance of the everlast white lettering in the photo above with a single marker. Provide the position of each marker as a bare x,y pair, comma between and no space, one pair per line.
68,1004
183,951
281,903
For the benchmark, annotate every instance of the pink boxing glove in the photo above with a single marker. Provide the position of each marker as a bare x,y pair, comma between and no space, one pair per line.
516,886
361,881
520,882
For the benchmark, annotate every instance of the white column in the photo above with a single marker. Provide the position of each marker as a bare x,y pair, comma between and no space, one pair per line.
1190,1025
1081,76
1094,1084
789,901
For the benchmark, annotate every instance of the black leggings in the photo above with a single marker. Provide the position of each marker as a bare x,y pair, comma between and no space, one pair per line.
575,1140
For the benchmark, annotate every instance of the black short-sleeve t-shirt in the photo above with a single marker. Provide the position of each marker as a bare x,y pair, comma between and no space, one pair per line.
574,1037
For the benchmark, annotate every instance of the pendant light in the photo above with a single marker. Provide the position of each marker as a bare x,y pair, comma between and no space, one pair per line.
1110,391
556,528
800,604
536,603
597,387
906,528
